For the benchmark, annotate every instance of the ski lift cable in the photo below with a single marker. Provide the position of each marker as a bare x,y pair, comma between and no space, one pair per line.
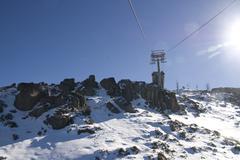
202,26
137,19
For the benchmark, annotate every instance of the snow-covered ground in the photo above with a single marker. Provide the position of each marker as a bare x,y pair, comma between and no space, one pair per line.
213,134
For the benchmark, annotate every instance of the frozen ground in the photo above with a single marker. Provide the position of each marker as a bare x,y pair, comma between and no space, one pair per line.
212,134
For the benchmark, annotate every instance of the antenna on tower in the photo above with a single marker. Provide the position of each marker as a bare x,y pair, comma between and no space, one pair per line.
158,56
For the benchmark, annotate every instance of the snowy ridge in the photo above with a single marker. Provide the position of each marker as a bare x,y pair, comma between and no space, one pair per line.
207,129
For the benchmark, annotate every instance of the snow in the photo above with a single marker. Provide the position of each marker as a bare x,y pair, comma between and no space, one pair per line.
123,130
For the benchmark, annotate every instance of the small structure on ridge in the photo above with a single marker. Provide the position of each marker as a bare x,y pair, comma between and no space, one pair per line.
157,57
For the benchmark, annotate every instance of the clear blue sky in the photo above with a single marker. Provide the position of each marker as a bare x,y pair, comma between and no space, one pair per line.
49,40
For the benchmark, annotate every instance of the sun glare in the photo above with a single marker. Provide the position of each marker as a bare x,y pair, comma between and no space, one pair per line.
233,36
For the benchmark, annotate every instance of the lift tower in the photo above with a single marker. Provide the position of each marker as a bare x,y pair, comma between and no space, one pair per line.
158,57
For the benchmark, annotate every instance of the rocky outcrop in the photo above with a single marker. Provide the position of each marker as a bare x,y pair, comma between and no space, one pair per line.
111,86
157,97
67,85
161,99
29,95
77,102
59,121
89,86
128,89
124,105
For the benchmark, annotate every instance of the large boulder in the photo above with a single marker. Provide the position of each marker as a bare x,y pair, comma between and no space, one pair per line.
88,86
128,89
124,105
90,82
59,121
77,102
111,86
159,98
67,85
29,95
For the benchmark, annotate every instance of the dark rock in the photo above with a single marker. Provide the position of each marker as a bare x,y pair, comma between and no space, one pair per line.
15,137
154,145
161,99
89,86
111,86
228,142
39,133
161,156
134,150
8,116
176,125
11,124
111,107
36,112
89,121
86,130
90,82
29,95
122,152
193,150
1,109
67,85
124,105
2,105
77,102
13,111
128,89
236,149
59,121
192,128
3,158
182,134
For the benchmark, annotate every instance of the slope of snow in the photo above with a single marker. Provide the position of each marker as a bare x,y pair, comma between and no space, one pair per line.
220,116
140,135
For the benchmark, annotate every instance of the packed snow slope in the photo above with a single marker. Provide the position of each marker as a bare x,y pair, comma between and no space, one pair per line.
207,127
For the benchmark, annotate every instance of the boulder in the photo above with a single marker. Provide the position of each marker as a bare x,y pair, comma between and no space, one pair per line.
89,86
128,89
59,121
111,86
77,102
67,85
29,95
90,82
124,105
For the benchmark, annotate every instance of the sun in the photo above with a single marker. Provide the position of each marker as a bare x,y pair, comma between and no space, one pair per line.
233,36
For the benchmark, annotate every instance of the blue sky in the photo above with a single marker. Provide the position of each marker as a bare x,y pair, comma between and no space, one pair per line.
52,40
